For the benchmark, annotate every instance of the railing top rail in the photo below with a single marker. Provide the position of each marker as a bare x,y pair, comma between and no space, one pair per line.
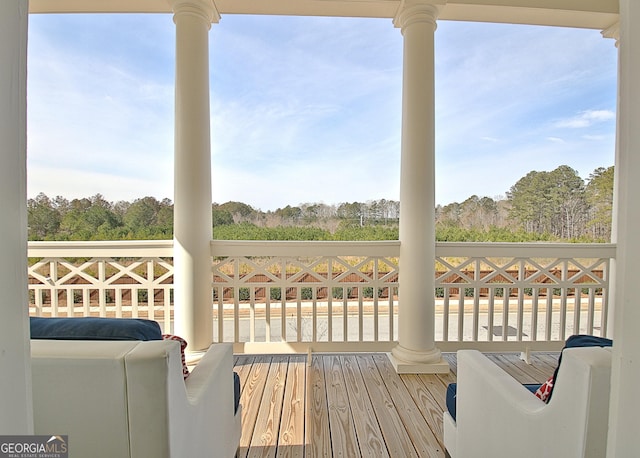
110,248
526,250
164,248
304,248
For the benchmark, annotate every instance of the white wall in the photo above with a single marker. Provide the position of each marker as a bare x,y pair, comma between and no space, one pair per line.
624,440
15,371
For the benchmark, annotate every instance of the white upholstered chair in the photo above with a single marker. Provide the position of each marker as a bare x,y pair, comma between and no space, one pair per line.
129,399
498,417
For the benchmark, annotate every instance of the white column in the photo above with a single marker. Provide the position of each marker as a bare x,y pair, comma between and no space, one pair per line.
623,439
16,413
192,175
416,351
614,32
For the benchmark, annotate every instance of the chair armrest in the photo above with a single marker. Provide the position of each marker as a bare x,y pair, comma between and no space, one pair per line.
171,417
214,369
478,374
210,394
494,412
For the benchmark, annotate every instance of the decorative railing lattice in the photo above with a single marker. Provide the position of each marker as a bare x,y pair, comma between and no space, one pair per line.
272,296
522,293
331,294
307,300
132,279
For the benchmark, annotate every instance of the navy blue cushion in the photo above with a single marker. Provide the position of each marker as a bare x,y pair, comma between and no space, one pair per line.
583,340
452,389
236,392
90,328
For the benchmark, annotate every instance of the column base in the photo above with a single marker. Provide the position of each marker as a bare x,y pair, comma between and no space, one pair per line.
407,361
192,358
403,367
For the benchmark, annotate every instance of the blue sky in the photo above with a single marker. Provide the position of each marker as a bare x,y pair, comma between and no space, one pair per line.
309,109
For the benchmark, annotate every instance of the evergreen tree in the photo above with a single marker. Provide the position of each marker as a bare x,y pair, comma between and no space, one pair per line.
599,193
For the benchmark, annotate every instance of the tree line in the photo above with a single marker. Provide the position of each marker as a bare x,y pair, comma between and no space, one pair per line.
556,205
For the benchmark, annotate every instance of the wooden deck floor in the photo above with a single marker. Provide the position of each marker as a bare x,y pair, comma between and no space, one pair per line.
351,405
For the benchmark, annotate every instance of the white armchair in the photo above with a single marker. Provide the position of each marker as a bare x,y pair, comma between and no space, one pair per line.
128,399
498,417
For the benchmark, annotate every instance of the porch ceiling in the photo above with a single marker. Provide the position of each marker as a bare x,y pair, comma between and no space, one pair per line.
594,14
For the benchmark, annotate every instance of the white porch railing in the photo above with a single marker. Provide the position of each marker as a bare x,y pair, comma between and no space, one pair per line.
338,296
329,296
533,294
119,279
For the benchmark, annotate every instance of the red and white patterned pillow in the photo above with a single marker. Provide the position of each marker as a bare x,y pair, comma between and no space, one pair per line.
183,345
545,390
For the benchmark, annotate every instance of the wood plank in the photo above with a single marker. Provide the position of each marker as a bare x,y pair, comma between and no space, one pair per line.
449,377
549,361
242,366
437,386
343,434
395,436
514,366
425,399
366,425
264,442
291,437
250,399
542,367
452,359
506,365
535,370
423,438
317,432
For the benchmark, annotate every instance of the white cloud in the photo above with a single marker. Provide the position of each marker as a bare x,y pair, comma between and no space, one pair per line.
586,119
555,140
594,138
